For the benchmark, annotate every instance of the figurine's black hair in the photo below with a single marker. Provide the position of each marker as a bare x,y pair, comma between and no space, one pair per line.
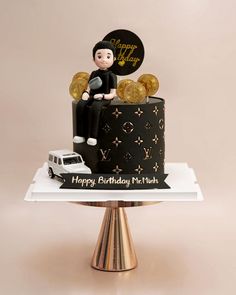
104,45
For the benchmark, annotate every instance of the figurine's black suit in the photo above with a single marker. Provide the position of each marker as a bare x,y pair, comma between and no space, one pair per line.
88,111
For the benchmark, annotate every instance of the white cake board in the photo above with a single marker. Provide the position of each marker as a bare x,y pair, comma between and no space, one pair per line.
181,179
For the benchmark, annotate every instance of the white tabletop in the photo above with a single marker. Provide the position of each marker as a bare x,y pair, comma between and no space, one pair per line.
181,179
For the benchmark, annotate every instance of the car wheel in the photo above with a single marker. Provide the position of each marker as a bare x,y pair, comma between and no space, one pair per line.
50,173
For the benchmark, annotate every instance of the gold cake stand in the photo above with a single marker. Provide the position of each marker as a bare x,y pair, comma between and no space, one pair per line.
114,250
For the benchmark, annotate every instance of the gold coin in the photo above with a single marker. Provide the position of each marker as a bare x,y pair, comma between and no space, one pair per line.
77,87
150,83
121,87
83,75
134,92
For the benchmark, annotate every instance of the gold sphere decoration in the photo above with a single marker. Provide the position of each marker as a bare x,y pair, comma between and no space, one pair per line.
79,75
121,88
150,83
135,92
77,87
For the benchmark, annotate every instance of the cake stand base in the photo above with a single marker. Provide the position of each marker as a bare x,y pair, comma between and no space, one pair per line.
114,250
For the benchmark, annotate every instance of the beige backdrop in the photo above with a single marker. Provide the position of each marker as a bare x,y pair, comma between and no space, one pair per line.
183,248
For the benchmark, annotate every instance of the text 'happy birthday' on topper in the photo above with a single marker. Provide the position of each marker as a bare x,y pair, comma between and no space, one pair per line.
129,51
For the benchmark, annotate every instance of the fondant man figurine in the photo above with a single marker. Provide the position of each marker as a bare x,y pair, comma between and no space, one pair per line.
100,92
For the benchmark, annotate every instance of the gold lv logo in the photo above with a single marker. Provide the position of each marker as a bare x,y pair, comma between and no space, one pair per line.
105,155
147,153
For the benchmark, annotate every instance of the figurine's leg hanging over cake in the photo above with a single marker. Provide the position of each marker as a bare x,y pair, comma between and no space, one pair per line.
82,121
94,114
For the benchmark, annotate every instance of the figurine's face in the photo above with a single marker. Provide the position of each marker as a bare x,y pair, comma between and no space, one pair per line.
104,58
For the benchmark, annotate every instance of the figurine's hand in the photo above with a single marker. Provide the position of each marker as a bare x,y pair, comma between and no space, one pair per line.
85,96
98,96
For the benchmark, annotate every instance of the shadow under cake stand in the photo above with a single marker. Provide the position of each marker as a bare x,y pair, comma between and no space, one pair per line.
114,250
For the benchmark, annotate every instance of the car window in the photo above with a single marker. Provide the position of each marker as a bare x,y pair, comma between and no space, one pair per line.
55,159
59,161
72,160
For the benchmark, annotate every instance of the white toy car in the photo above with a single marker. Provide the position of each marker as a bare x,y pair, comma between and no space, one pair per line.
66,161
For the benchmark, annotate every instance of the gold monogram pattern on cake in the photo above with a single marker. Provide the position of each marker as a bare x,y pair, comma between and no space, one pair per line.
117,170
139,169
155,139
147,153
105,155
128,156
139,112
155,111
155,167
161,123
117,113
106,128
128,127
116,142
139,140
148,125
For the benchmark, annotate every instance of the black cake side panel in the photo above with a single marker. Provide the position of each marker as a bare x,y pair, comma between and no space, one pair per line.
131,139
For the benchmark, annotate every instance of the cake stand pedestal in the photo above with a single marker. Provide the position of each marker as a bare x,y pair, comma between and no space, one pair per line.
114,250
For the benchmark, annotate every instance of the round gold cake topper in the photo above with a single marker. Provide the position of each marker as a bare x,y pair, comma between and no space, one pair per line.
78,85
134,92
121,88
83,75
150,83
